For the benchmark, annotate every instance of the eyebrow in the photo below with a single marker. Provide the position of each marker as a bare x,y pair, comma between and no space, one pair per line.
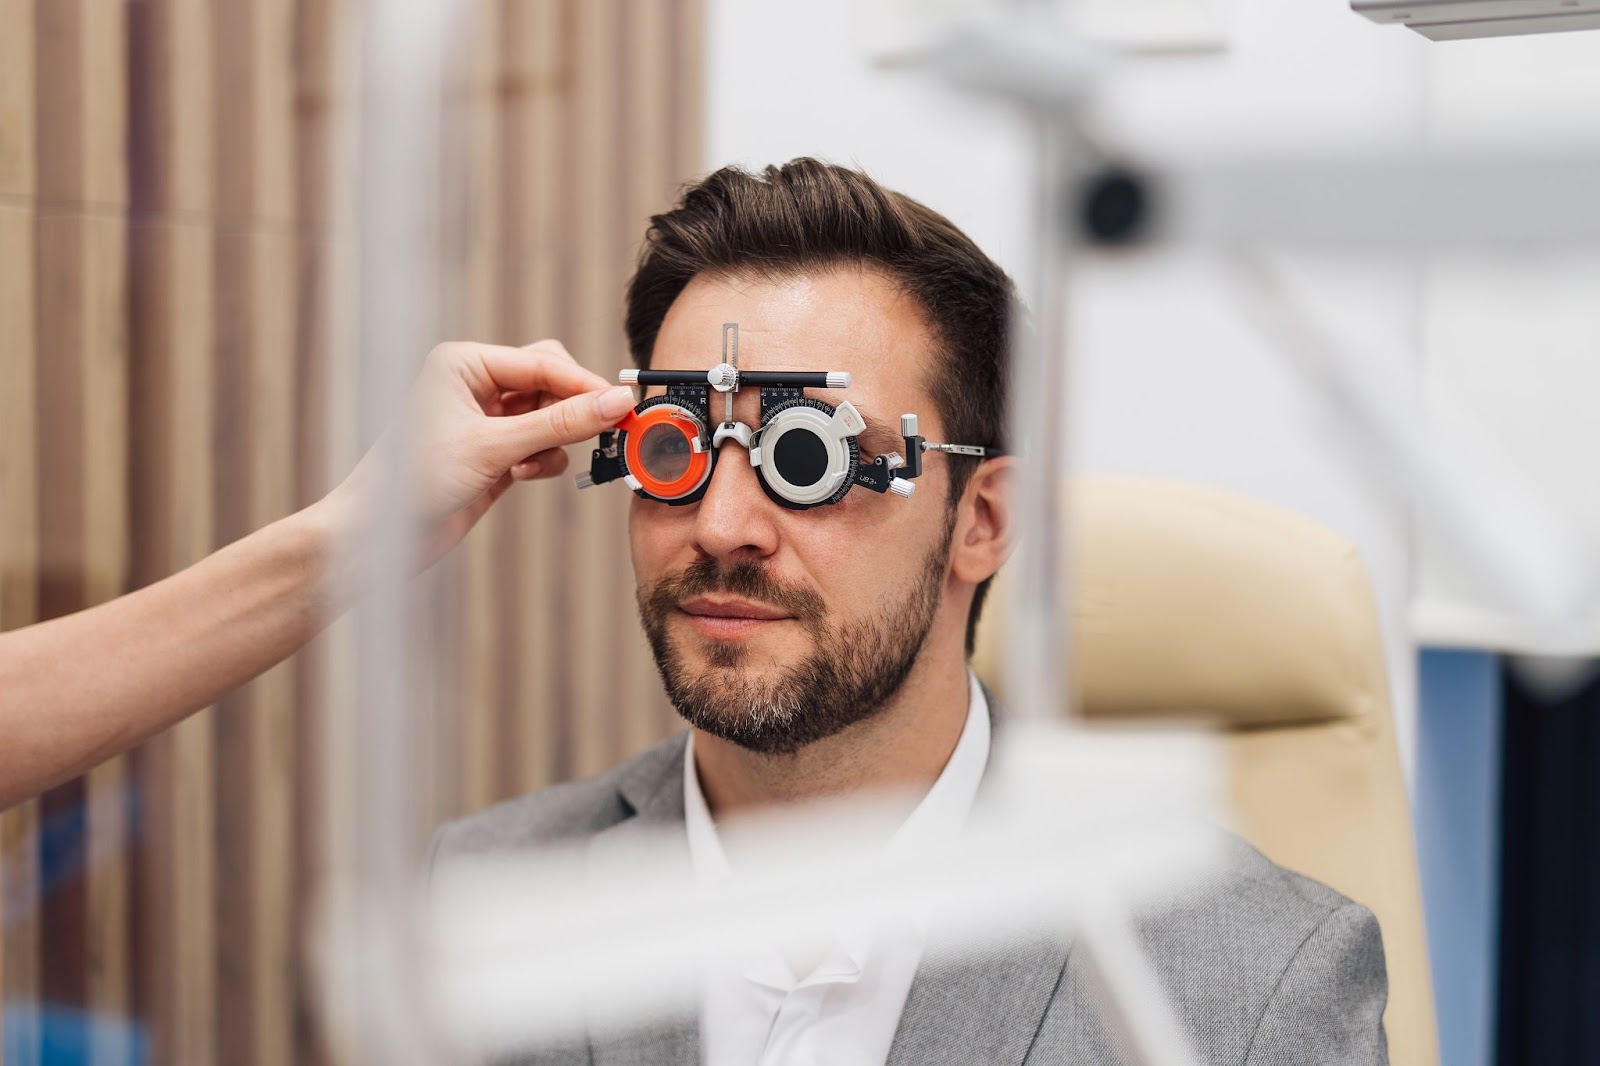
879,437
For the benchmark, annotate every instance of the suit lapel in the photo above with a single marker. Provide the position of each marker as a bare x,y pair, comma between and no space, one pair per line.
964,1006
983,1003
673,1041
654,793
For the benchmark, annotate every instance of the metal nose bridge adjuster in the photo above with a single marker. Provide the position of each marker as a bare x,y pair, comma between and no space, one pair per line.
738,431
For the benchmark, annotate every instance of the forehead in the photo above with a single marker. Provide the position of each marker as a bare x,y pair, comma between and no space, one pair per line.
851,318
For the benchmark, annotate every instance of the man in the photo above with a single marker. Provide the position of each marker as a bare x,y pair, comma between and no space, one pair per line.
820,652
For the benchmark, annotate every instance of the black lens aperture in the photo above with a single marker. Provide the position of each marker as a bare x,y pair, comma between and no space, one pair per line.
801,457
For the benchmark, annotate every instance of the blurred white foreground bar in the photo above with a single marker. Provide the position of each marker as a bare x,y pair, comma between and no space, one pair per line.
1458,20
526,950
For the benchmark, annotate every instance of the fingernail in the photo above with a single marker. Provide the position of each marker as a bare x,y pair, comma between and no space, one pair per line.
615,402
530,467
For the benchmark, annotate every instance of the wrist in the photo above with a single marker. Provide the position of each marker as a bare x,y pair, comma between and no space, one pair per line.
327,531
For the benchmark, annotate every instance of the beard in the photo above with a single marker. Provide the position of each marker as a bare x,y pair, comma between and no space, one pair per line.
852,671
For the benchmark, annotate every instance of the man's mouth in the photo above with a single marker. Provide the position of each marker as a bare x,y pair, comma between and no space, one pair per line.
729,618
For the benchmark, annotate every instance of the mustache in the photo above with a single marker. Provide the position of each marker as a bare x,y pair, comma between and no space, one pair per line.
748,580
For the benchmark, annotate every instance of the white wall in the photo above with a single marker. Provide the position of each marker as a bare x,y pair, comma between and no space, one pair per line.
1168,378
1514,340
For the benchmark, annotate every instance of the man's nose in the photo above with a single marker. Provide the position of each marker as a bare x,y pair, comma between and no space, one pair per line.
735,517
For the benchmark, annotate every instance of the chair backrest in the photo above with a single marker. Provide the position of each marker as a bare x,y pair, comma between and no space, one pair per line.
1190,601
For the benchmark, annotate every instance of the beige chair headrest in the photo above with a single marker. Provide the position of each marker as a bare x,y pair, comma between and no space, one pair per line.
1193,600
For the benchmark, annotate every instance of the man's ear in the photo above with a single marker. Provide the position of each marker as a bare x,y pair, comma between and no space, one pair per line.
986,526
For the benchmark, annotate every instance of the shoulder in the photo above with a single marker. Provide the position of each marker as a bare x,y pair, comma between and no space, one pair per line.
1250,893
1255,955
564,812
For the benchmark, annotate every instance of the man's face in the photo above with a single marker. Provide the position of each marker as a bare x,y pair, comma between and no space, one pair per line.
774,627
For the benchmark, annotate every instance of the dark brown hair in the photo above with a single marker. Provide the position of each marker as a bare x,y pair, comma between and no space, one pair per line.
807,215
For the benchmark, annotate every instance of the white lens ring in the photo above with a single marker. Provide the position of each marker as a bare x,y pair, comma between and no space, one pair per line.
834,457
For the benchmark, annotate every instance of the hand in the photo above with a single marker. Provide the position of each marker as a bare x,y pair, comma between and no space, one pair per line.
483,416
480,417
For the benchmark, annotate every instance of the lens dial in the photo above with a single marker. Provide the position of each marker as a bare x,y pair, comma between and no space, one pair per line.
807,458
663,447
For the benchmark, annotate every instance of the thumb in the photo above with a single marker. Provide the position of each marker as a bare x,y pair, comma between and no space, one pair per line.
570,421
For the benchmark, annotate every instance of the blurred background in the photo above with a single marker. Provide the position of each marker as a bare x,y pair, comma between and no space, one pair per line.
175,211
175,374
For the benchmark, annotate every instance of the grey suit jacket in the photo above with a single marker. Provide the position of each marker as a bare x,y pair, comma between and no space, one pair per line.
1262,965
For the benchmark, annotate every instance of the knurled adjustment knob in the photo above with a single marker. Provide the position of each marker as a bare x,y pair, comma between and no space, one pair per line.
901,487
723,376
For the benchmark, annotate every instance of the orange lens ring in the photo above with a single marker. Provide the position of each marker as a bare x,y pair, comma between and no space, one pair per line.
637,424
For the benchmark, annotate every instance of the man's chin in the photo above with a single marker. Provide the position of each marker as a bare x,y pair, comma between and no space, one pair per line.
729,660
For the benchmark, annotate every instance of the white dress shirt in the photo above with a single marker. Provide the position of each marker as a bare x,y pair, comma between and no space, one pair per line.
755,1011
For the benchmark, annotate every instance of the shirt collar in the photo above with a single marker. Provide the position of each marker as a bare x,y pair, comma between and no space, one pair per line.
942,811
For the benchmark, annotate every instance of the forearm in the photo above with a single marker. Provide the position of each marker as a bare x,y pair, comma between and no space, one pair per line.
81,688
76,690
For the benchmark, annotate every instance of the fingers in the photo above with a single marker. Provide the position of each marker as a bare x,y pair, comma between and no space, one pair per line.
491,369
520,403
468,516
497,490
517,403
552,462
568,422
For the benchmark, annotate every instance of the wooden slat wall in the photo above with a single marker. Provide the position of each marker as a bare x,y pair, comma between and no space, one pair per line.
81,390
173,376
255,261
19,534
101,267
472,148
174,335
537,72
316,93
591,246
